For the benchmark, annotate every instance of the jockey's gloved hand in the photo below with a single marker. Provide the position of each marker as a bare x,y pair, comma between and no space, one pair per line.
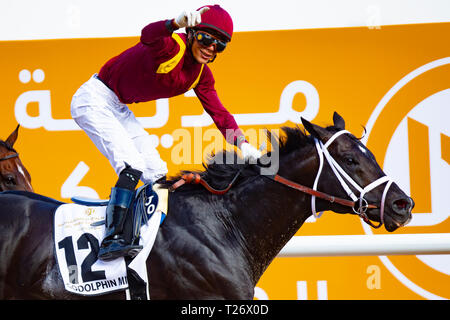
190,19
249,152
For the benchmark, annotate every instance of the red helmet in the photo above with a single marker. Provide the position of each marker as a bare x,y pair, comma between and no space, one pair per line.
218,20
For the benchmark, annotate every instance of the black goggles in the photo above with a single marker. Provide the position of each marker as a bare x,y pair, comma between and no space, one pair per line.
206,40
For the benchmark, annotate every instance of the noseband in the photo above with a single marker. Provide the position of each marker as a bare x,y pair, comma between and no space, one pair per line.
14,155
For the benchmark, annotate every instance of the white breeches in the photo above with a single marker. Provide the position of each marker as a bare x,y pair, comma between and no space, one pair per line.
115,130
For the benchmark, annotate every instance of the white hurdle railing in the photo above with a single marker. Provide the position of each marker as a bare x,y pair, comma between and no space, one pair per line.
367,245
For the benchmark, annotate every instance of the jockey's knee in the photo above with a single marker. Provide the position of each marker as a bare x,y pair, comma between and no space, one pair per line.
154,166
151,176
146,145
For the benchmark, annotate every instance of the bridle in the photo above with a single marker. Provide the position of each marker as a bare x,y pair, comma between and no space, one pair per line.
358,204
10,156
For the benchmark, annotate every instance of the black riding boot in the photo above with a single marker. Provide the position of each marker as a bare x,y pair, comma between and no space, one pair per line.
114,244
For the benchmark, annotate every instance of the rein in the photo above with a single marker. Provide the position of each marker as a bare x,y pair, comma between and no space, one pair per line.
358,204
195,178
314,193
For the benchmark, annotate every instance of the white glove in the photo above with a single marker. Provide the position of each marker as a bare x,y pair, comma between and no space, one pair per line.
190,19
249,152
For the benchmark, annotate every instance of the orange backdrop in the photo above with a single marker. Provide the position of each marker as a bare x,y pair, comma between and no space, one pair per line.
288,74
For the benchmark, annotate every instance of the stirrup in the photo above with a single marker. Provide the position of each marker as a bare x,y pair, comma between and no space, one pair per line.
116,250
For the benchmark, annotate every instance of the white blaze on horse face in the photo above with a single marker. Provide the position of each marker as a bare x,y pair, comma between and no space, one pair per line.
20,169
363,150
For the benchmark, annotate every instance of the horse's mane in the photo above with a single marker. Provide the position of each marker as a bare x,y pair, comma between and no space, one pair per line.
220,170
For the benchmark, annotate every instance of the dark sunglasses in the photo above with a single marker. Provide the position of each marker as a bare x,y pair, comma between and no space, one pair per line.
206,40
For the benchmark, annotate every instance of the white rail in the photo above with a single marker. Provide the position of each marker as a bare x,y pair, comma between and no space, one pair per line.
367,245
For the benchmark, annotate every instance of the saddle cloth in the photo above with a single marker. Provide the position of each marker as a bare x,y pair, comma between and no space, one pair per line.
78,232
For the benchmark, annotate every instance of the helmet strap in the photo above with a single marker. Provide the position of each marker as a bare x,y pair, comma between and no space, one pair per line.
213,58
190,33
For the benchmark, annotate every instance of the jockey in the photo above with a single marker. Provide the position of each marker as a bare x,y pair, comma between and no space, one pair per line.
163,64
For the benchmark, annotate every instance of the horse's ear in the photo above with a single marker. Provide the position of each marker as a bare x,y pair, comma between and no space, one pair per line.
339,122
13,137
315,130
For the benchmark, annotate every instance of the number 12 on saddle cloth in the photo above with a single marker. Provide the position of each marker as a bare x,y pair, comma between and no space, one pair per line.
79,230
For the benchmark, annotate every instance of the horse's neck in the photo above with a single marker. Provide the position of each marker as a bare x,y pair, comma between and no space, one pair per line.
272,214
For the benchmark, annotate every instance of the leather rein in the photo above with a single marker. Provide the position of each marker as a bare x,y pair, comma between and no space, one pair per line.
359,205
195,178
312,192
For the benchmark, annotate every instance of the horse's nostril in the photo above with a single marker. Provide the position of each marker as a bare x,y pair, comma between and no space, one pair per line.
403,205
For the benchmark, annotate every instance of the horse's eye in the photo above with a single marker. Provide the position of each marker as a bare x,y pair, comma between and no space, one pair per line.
10,180
350,161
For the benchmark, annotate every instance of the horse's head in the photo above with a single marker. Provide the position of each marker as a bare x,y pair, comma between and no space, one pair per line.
13,175
376,196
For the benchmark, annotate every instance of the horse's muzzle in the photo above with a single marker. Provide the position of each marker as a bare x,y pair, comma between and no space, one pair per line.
402,208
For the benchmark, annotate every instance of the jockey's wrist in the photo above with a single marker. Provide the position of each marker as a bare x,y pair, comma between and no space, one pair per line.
240,140
171,25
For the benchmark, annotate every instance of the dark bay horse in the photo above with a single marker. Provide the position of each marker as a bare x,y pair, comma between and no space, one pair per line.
215,246
13,174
